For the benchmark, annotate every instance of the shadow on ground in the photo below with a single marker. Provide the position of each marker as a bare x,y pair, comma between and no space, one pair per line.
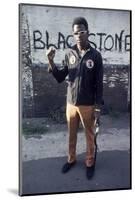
44,176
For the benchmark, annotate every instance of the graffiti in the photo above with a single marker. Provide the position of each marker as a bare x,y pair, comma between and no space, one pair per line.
102,41
40,44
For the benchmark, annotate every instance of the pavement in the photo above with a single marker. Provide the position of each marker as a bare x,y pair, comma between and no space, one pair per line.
42,160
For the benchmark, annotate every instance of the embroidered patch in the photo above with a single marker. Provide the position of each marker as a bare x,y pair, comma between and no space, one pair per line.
72,60
90,63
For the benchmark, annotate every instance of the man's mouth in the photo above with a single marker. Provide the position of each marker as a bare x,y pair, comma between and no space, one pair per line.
79,40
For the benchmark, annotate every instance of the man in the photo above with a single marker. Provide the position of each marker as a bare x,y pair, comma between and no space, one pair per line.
83,66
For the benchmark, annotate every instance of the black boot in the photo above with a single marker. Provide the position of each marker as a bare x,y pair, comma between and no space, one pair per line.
90,171
67,166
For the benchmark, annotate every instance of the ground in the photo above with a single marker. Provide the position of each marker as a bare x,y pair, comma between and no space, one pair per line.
44,153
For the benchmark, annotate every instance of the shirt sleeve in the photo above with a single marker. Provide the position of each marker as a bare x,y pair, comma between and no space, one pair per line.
60,74
99,81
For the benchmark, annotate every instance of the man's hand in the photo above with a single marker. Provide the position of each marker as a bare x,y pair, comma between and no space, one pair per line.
50,54
97,113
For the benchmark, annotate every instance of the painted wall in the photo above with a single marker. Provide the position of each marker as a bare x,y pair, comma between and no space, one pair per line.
52,26
43,27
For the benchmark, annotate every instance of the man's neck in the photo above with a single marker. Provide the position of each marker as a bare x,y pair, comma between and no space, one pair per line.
83,47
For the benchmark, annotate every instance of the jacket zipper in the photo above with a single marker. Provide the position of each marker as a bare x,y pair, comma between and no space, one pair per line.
78,86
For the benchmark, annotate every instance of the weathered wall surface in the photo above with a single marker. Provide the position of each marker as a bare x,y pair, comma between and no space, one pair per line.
51,26
50,96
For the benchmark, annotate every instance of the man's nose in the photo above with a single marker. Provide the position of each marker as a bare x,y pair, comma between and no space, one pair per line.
79,35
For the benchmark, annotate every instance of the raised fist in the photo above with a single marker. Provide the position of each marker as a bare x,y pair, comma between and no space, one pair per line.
50,53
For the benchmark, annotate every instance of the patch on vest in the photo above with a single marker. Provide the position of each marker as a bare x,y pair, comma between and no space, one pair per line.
72,60
90,63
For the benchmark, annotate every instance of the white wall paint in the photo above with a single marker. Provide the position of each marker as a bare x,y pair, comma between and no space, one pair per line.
59,19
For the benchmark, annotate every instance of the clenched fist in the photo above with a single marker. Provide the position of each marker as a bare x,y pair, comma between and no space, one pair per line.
50,53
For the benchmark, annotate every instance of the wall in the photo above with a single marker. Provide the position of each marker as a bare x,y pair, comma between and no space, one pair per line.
109,33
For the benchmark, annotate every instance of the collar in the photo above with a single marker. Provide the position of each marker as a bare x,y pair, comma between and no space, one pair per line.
75,51
78,52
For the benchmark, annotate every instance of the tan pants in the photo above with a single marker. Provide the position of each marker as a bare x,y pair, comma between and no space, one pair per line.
86,115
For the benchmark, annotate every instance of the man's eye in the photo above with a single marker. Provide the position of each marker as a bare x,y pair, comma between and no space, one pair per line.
80,33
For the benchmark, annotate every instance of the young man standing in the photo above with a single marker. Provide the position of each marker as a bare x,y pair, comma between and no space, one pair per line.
84,68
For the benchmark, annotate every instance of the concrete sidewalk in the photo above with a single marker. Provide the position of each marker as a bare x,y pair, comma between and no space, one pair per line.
114,135
42,160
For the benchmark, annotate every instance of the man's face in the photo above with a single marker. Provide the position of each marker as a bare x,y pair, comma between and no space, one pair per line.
80,34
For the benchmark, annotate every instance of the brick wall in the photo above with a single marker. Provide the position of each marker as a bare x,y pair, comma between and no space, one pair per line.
50,96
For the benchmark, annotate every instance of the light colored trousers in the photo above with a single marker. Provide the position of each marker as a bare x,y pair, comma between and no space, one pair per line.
85,114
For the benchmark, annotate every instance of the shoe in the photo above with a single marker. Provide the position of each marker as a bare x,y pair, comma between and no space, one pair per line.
90,171
67,166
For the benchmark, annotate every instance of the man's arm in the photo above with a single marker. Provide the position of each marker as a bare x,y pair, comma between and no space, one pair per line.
59,75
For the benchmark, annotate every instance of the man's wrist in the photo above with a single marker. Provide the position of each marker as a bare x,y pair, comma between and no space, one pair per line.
51,64
97,109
